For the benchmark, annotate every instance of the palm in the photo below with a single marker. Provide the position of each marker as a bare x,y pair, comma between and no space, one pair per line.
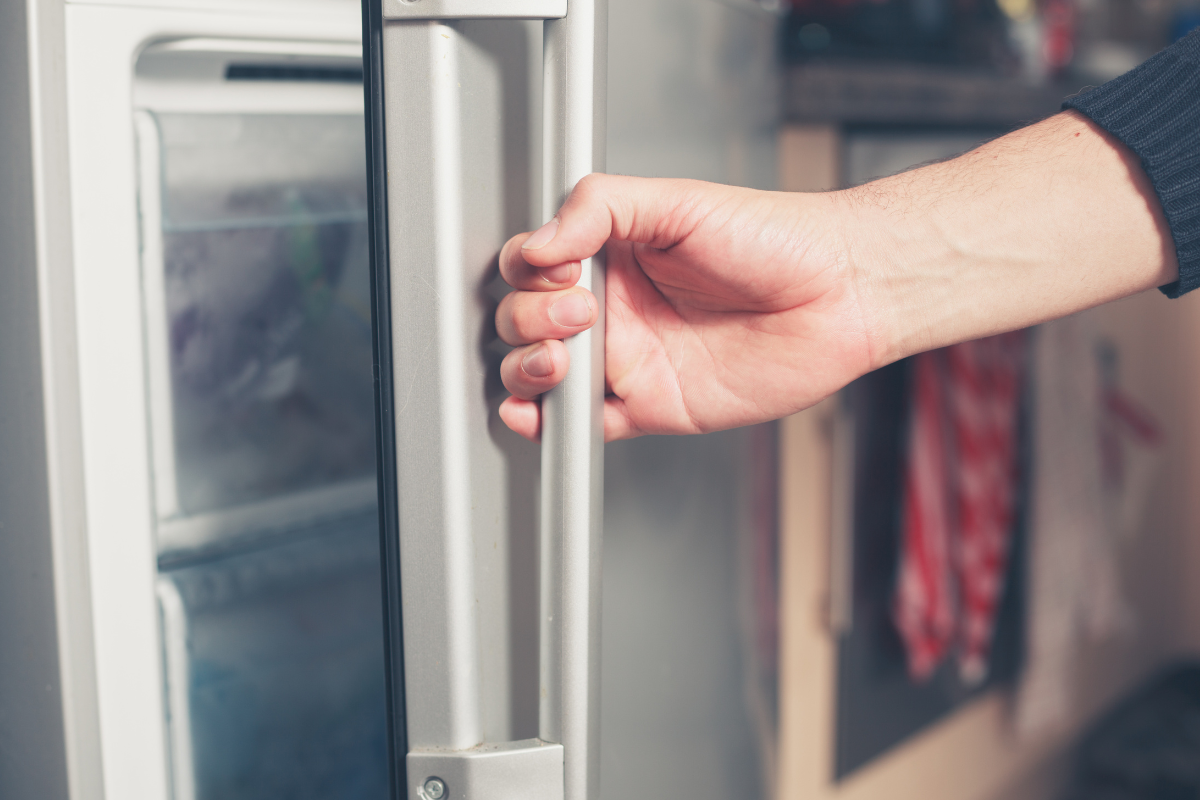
718,331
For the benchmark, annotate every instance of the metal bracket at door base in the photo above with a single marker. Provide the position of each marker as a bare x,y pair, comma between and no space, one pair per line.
526,770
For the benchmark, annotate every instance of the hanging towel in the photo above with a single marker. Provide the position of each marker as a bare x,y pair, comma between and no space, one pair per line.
925,605
959,491
984,388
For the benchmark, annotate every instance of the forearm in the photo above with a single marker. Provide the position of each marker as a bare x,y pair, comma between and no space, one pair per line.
1041,223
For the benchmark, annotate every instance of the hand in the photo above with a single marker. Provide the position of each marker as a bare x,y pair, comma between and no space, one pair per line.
730,306
725,306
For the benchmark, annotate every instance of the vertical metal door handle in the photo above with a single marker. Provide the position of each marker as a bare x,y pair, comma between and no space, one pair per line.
442,652
575,88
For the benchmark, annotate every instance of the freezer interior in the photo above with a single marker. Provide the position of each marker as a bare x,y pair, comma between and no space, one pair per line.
257,302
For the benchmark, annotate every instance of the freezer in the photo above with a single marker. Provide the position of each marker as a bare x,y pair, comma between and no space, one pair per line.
292,550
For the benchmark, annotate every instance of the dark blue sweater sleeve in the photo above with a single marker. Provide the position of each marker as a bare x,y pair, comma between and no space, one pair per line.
1155,111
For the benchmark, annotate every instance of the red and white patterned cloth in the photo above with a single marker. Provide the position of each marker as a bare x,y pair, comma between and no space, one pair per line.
959,490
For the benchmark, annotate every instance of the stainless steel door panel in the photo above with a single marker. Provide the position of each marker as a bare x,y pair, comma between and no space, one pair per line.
456,182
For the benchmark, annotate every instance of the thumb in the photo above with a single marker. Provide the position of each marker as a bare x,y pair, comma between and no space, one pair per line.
610,206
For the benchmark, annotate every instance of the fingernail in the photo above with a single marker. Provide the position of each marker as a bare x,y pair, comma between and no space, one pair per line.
559,274
542,236
537,363
571,311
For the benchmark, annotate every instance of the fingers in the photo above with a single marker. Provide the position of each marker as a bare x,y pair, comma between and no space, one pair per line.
529,371
527,317
525,418
520,274
646,210
655,212
544,267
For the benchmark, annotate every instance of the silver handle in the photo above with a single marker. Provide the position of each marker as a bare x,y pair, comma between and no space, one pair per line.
449,483
575,88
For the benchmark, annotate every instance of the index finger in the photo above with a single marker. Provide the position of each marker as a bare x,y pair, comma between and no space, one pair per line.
520,274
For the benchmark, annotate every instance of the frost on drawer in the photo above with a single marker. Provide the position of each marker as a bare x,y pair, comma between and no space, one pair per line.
265,304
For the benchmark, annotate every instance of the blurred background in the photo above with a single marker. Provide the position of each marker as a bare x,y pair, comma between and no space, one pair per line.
1017,624
1031,638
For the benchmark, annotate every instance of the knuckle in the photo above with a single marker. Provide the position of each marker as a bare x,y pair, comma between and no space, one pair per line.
504,318
511,263
510,376
523,323
590,185
504,307
505,258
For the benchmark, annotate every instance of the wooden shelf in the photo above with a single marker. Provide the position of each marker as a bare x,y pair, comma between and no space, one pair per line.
847,93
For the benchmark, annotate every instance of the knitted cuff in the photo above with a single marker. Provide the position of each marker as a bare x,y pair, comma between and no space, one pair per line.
1155,111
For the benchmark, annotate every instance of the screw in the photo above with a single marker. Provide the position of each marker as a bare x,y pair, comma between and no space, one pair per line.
435,789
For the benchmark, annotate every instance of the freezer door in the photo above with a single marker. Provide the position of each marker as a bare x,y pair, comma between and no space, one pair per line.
492,591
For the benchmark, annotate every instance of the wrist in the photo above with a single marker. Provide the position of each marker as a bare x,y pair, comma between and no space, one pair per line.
1042,223
900,264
